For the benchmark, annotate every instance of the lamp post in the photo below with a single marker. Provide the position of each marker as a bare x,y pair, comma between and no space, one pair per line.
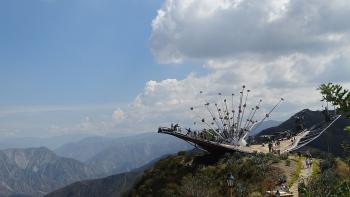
230,181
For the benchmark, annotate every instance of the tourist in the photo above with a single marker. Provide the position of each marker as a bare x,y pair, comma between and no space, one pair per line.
188,131
310,162
270,147
176,126
277,193
307,162
284,187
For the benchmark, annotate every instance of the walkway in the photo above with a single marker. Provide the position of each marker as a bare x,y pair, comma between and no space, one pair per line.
305,173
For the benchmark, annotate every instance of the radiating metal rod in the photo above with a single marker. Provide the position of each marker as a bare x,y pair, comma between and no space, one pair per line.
240,109
268,114
244,106
257,107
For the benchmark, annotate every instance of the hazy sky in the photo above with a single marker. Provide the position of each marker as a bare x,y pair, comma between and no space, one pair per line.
102,66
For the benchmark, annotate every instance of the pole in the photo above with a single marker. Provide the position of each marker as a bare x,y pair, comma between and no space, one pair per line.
240,107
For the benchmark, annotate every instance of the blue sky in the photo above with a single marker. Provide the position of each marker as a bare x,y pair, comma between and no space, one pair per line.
107,66
68,52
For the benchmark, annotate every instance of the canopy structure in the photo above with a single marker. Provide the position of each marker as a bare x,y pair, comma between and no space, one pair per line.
226,129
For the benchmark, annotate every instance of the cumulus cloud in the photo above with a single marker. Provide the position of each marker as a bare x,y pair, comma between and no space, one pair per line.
205,29
118,115
278,48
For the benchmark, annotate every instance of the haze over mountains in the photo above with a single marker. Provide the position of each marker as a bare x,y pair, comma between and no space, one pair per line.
37,171
114,155
49,142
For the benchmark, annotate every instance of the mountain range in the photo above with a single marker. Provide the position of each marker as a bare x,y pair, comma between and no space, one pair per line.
117,184
49,142
111,186
115,155
37,171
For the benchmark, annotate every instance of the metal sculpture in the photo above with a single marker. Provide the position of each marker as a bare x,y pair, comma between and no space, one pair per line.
226,129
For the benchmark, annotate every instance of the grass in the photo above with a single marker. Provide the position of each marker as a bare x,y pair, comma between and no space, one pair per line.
342,168
315,168
297,171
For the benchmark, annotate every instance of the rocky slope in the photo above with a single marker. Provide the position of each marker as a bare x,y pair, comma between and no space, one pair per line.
37,171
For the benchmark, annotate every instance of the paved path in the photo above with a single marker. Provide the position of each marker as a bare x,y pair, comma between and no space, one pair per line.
304,175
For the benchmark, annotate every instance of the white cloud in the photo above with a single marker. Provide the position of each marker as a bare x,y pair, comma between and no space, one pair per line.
118,115
206,29
278,48
294,77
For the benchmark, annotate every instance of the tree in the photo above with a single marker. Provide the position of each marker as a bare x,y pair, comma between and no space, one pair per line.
338,96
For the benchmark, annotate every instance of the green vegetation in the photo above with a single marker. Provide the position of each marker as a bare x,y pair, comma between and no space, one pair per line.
338,96
297,171
199,175
330,179
315,168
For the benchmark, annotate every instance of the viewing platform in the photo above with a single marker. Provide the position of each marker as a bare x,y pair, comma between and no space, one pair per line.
283,145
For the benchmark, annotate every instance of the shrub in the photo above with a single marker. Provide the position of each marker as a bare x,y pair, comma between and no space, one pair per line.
284,156
287,162
327,163
323,184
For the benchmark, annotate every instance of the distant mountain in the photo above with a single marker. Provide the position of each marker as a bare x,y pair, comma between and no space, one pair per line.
49,142
115,155
37,171
85,149
265,125
330,141
111,186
